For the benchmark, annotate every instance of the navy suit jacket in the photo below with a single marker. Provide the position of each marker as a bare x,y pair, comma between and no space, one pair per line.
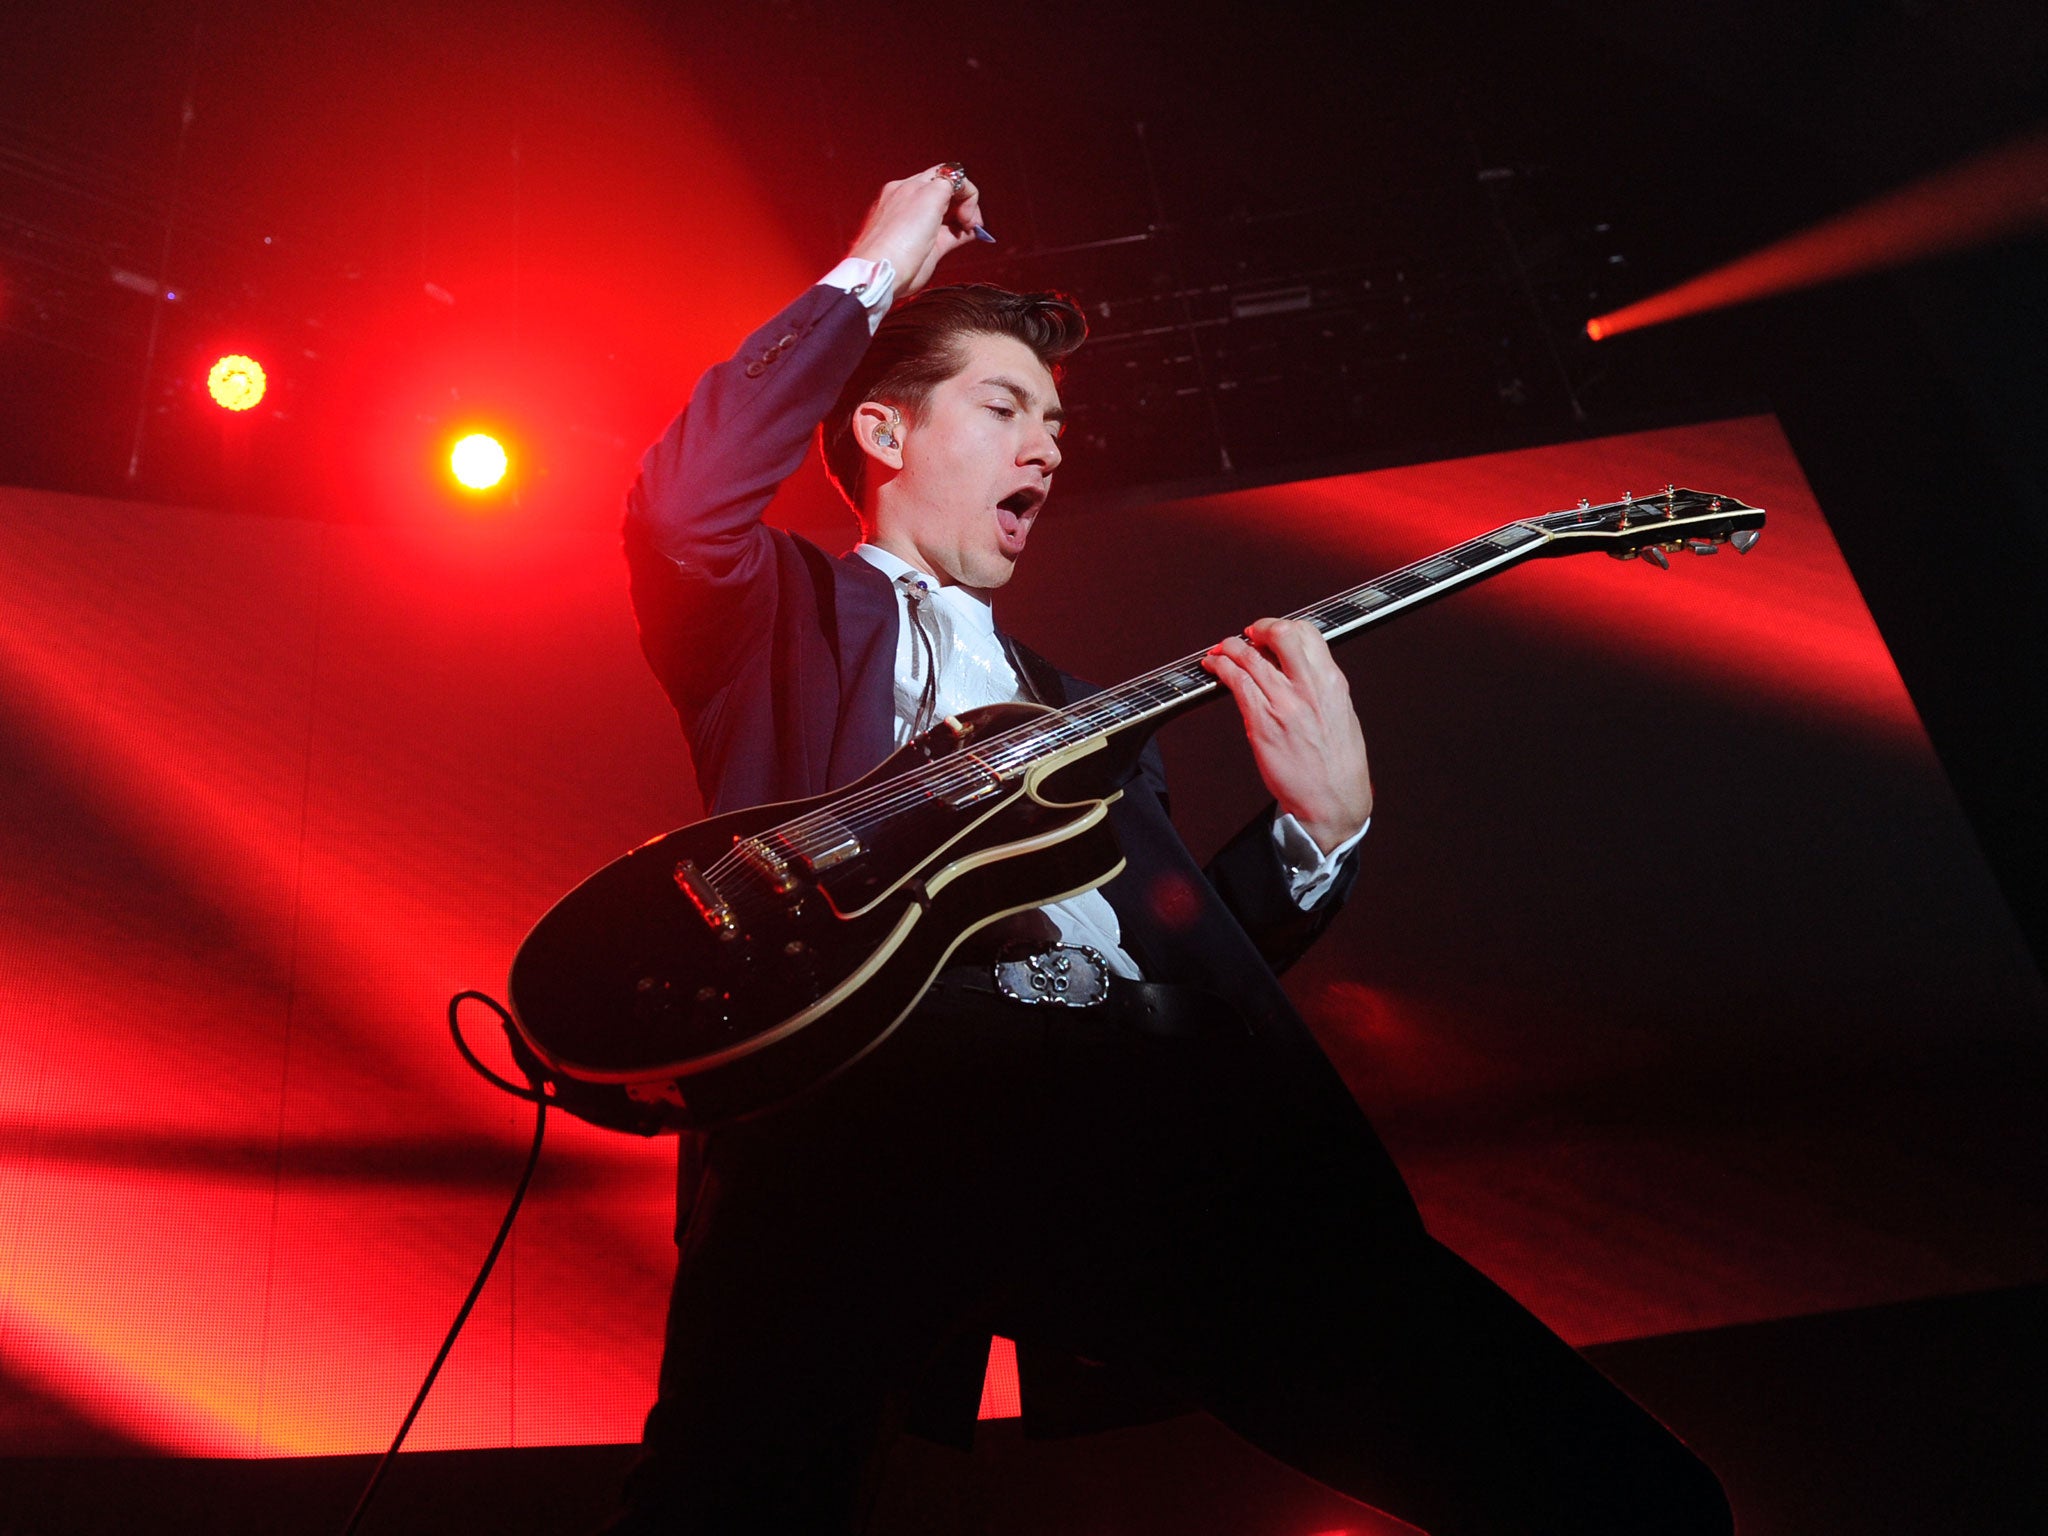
780,661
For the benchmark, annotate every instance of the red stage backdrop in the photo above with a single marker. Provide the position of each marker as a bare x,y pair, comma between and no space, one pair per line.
1673,976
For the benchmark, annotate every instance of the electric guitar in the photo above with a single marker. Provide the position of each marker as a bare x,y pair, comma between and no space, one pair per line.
723,968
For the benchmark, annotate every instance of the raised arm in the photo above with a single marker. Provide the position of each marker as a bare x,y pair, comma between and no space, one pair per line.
701,555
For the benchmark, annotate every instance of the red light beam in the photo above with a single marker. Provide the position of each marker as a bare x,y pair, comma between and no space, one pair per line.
1998,193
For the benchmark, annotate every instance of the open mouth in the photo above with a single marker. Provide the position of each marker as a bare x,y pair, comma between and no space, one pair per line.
1022,503
1014,513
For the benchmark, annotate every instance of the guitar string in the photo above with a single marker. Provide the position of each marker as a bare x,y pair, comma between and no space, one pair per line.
1121,705
1032,738
1132,700
1128,702
1114,706
1175,683
1125,703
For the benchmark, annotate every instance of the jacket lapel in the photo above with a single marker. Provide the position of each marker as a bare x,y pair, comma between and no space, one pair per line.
865,623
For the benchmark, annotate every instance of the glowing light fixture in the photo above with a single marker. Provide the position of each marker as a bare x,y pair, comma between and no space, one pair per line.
1998,193
236,382
478,461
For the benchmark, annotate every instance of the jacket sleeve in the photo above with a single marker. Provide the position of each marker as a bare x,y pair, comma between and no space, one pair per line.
1247,874
703,563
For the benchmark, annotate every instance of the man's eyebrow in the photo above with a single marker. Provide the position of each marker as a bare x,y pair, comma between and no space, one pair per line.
1025,399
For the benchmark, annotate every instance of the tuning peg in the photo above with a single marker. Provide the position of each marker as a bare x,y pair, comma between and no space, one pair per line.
1656,556
1703,546
1744,539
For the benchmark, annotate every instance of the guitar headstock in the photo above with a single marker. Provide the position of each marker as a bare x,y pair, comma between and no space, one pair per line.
1653,527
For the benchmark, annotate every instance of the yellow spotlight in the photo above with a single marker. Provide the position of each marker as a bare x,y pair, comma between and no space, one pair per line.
235,382
478,461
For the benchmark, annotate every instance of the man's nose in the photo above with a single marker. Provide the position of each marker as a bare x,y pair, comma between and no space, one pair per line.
1042,450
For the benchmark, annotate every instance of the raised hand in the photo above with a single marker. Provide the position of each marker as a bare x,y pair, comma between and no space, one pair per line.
1305,736
916,222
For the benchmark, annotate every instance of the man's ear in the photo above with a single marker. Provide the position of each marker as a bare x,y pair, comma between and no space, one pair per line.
878,428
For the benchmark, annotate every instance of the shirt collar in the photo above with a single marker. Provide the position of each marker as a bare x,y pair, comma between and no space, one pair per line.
963,603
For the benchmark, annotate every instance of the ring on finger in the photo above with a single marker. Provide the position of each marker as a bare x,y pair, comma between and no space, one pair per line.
954,172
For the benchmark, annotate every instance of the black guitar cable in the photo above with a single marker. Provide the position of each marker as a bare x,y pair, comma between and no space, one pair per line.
534,1095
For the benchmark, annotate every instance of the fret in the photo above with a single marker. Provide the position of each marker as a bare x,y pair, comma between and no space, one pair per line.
1347,608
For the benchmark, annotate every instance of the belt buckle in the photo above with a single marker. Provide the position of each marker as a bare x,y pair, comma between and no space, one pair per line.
1061,975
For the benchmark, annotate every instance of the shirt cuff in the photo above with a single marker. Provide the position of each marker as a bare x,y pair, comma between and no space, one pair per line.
872,282
1309,870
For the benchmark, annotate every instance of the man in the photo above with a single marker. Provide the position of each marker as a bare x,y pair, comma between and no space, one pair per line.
1166,1196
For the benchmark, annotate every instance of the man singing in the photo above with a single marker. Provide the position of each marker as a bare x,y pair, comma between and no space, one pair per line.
1159,1188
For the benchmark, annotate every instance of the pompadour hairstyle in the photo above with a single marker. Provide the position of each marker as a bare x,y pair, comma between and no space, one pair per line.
918,346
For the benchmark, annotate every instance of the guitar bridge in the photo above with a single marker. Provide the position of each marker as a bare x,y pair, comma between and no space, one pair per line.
703,895
768,864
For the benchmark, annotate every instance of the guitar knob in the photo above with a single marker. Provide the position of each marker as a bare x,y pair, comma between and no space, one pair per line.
1656,556
1744,539
1703,546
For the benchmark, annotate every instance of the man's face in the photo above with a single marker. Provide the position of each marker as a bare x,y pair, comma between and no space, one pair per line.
977,466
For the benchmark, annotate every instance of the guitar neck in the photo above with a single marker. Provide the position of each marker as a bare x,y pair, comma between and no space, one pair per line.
1149,701
1676,520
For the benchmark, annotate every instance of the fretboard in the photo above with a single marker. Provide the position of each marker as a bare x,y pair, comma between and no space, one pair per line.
1150,700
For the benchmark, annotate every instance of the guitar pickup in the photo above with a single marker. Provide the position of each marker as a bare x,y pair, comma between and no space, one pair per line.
841,844
703,895
976,792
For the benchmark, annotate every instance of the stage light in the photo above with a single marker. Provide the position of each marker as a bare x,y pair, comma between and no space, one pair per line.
1986,198
478,461
236,382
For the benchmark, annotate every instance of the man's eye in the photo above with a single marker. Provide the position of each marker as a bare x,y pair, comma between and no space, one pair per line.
1003,411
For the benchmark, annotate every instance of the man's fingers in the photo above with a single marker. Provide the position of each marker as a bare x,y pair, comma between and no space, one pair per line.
917,221
1226,670
1270,679
1302,650
965,213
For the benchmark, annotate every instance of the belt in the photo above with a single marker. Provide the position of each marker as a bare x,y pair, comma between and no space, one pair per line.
1072,977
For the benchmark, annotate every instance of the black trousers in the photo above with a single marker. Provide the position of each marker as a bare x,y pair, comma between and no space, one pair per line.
1175,1206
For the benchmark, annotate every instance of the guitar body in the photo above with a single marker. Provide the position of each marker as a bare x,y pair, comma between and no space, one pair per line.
726,966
